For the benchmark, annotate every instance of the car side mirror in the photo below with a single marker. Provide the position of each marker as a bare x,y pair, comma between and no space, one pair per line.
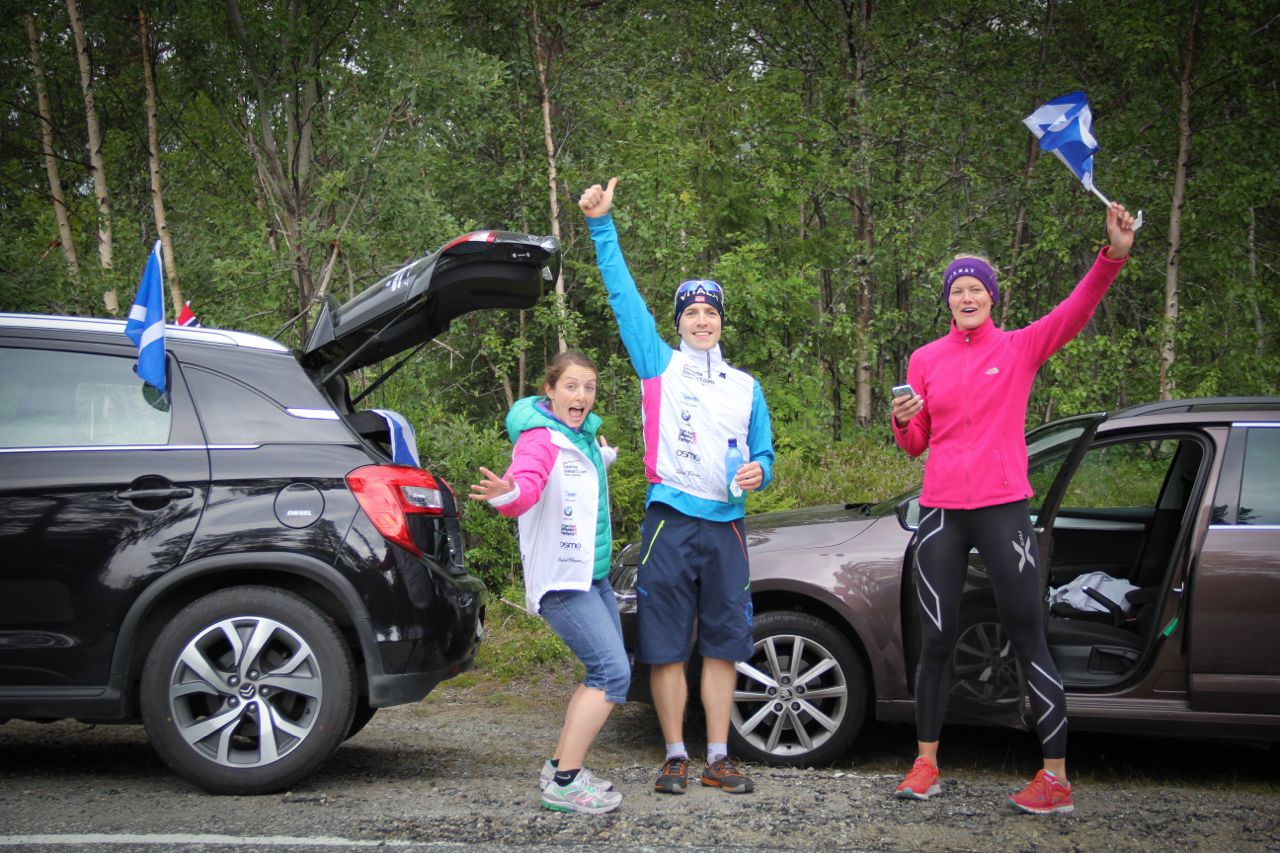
909,513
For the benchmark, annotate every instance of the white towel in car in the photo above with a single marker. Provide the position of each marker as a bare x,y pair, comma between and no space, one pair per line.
1073,593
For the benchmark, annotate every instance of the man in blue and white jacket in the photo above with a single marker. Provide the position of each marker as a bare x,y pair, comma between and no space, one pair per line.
693,558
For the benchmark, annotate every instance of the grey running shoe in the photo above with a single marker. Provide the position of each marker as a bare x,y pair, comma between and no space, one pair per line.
674,778
580,795
549,772
725,775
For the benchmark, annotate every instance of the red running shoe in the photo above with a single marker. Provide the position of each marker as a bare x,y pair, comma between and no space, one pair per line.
922,782
1044,795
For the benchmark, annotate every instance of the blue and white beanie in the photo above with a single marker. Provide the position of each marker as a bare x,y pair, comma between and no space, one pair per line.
699,290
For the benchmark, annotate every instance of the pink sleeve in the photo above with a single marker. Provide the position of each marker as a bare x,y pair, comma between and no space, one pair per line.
914,437
1051,332
531,461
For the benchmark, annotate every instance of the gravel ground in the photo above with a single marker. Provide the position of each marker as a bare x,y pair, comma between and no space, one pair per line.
459,771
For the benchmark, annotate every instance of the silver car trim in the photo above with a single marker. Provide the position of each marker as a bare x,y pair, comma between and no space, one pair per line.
314,414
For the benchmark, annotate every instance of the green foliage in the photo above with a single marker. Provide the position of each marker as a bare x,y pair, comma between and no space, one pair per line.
516,643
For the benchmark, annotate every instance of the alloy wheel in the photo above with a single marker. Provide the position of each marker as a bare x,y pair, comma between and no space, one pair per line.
245,691
791,697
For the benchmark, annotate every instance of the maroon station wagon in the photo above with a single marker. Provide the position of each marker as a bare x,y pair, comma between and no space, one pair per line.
1180,499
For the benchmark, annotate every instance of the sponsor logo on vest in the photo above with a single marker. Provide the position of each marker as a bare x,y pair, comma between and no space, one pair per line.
691,372
688,454
688,436
570,546
568,530
568,512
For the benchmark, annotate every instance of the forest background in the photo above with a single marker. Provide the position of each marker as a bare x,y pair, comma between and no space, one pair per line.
823,159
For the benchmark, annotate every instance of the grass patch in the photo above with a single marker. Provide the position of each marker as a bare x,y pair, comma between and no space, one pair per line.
520,657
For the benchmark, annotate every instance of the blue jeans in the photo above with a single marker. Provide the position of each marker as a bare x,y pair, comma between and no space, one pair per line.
588,623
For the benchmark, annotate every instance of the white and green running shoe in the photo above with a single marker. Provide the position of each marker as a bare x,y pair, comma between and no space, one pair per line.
580,795
549,772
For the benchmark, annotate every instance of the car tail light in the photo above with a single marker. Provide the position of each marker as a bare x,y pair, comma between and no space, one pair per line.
389,494
473,242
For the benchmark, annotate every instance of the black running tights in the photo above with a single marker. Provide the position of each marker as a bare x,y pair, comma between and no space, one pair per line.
1003,536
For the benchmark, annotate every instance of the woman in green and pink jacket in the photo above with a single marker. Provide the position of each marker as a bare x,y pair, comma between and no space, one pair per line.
556,486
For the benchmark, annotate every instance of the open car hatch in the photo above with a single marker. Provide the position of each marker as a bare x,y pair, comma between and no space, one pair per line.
482,269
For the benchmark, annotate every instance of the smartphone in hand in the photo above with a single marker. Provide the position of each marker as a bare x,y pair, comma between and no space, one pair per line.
901,391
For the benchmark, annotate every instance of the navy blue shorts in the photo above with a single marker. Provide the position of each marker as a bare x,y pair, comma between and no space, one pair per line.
692,567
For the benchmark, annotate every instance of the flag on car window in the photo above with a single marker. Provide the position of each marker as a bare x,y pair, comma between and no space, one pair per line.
146,323
1064,127
187,317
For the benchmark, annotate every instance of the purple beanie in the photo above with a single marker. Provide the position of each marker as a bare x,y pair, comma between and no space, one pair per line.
976,267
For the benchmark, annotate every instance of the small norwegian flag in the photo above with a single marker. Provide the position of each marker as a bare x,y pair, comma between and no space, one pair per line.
187,317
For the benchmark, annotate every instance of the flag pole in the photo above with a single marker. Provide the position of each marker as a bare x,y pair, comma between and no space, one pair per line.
1137,220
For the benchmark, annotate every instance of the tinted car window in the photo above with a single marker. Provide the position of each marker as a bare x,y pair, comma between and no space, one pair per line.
1260,481
57,399
1047,449
235,414
1121,475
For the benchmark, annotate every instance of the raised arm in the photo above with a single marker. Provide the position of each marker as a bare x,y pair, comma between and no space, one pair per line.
1051,332
650,354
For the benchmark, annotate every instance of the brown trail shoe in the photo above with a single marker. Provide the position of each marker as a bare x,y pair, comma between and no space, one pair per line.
674,778
725,775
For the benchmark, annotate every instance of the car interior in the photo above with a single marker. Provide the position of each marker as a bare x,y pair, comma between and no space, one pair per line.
1122,514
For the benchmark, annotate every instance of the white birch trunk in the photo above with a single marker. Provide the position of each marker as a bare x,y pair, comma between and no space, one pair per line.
153,146
50,161
96,164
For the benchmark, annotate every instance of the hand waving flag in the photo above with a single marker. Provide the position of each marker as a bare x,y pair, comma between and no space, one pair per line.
1064,127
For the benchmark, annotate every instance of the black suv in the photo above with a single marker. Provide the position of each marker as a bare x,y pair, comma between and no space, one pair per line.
239,564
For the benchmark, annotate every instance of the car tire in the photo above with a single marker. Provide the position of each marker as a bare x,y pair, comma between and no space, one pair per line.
248,690
364,713
803,696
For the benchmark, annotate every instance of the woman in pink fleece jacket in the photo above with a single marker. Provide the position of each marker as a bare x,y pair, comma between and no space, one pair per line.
968,408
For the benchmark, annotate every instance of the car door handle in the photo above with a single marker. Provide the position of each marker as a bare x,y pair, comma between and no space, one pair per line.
155,494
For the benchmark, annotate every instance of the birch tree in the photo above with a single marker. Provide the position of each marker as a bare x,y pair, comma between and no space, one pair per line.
546,46
153,149
96,163
50,159
1168,351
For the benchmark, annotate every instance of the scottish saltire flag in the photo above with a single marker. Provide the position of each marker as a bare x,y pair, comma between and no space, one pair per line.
1064,126
146,323
187,317
404,441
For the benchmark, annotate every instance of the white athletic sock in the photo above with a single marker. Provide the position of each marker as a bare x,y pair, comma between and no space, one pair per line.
676,750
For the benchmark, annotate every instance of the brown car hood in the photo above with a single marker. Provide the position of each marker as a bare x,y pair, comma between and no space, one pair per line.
813,527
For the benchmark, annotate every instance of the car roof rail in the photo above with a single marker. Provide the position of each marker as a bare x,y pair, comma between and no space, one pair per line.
1202,404
193,334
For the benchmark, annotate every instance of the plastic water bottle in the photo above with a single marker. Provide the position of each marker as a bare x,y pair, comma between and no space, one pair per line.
732,462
